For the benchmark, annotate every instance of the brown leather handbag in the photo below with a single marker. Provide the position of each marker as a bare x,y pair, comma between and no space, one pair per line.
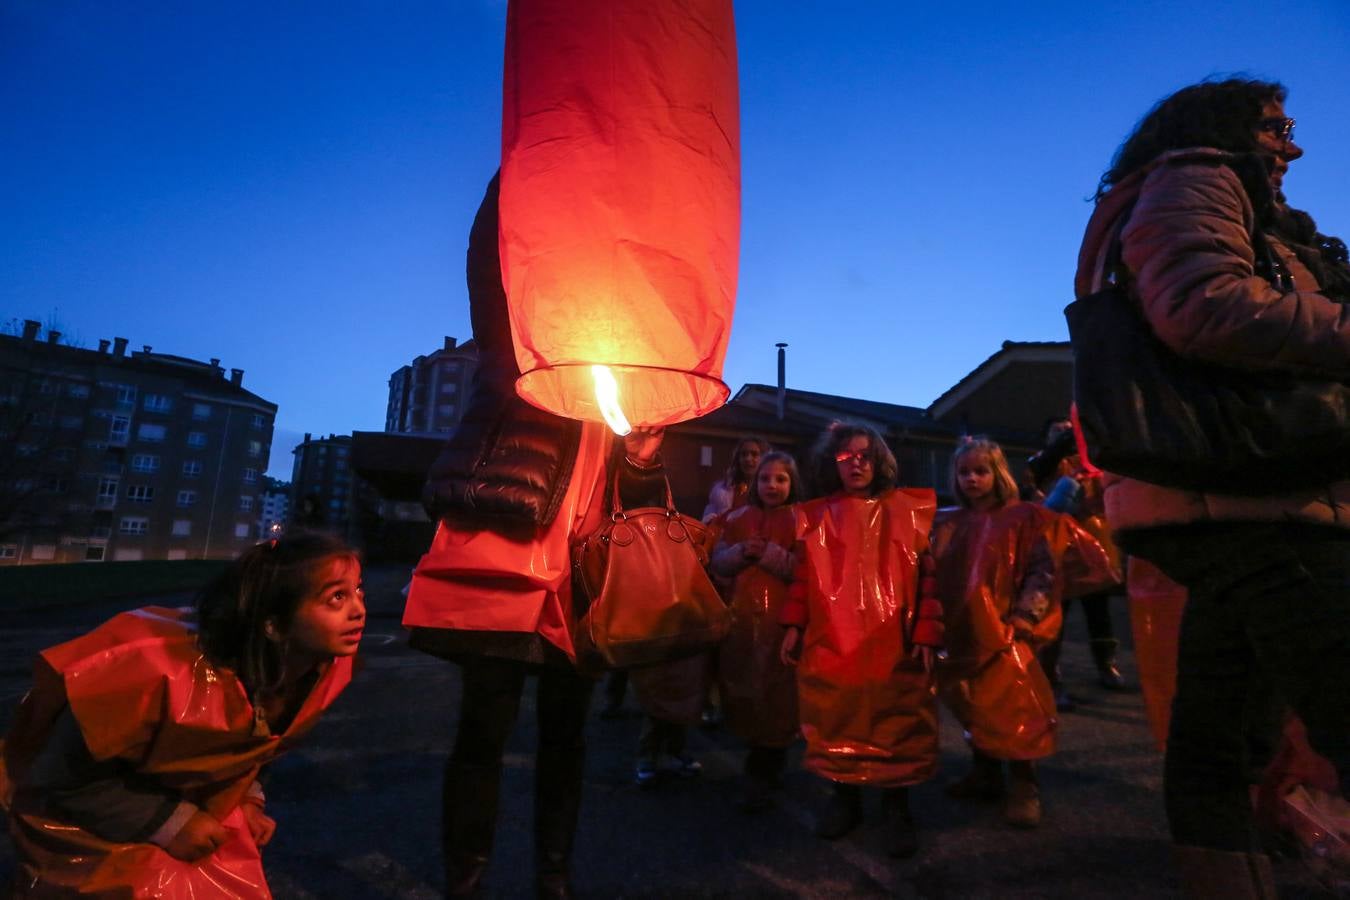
643,589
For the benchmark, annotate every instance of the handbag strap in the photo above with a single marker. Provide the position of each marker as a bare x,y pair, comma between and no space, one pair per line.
616,511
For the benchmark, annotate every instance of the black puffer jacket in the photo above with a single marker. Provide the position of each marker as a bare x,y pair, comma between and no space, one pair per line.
507,462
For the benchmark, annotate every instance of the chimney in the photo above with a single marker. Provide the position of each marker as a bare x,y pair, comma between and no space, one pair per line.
103,344
782,380
236,377
215,362
30,329
53,337
119,346
306,437
145,348
449,342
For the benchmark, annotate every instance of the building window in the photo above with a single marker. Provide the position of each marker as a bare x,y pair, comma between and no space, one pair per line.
255,448
245,503
449,387
100,532
250,476
9,551
70,423
151,434
140,493
107,489
182,527
187,498
196,438
77,390
126,395
94,553
157,403
241,529
192,468
63,454
201,411
118,428
42,552
134,525
145,462
47,386
258,421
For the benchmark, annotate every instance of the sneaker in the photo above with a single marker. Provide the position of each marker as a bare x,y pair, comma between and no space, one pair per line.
646,773
686,766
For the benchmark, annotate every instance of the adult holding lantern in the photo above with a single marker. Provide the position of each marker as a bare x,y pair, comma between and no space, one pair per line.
613,266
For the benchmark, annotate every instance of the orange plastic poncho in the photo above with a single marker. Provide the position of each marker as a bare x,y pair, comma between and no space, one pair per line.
476,579
989,564
1156,605
140,690
759,693
868,709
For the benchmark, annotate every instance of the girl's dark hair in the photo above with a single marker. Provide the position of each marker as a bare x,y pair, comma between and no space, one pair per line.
885,472
786,461
266,583
1220,114
734,475
1005,486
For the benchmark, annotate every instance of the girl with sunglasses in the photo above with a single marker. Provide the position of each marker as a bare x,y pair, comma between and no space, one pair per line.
862,627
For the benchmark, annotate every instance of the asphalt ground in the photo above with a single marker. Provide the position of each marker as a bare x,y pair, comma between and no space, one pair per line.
358,803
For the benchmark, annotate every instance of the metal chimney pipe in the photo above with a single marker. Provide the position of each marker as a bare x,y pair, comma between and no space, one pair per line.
782,380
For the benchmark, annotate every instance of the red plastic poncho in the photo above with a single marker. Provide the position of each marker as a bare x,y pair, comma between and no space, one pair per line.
992,682
759,693
476,579
868,709
141,691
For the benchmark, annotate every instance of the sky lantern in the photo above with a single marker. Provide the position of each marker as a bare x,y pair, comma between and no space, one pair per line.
620,204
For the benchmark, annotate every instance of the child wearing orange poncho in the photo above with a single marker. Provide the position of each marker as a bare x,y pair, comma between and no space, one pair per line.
866,633
1001,570
759,693
131,769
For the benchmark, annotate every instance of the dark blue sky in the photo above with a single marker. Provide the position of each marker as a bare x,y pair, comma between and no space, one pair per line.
288,186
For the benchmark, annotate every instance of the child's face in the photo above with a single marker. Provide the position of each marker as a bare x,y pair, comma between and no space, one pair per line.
748,459
329,620
975,477
854,462
774,484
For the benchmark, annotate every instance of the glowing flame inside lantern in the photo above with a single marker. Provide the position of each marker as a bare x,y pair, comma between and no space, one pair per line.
607,397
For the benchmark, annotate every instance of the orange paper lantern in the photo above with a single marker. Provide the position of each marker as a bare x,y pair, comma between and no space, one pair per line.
620,202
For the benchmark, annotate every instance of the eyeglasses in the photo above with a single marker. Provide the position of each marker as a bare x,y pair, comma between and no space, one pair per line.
1281,129
861,457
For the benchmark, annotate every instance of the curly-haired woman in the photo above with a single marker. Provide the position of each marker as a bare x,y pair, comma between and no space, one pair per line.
1190,198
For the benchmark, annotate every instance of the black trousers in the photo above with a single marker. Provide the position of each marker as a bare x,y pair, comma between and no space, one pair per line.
491,704
1268,612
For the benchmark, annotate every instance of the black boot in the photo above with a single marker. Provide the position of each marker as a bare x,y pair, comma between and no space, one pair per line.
557,804
984,781
902,838
468,820
842,813
1022,806
1104,655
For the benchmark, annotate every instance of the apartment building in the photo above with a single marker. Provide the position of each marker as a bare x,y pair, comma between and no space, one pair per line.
428,396
321,483
110,455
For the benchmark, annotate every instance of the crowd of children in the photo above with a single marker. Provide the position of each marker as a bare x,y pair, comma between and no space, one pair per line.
134,759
